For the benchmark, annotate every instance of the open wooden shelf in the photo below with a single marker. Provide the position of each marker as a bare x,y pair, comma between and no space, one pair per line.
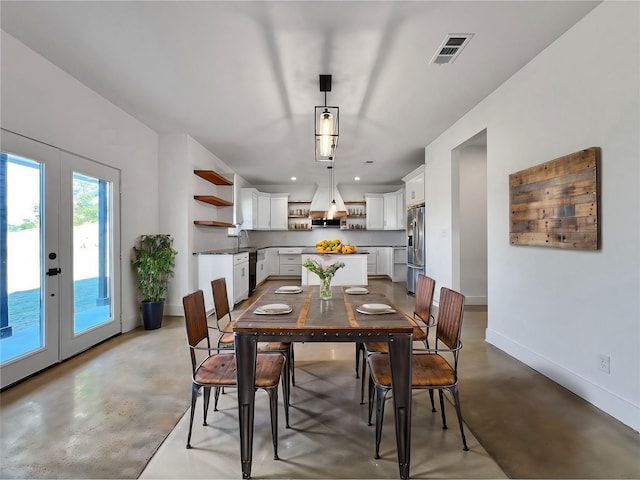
213,177
213,200
212,223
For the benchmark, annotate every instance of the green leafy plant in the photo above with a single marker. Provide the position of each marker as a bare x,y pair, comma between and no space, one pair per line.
154,259
327,271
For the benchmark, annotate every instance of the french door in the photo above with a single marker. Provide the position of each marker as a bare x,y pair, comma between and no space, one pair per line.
59,241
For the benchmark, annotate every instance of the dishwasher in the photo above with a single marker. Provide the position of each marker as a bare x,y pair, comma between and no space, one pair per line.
253,261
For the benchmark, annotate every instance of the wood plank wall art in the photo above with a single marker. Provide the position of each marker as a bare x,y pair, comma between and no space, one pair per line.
555,204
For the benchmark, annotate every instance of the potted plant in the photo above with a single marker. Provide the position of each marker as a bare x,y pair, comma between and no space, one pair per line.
154,259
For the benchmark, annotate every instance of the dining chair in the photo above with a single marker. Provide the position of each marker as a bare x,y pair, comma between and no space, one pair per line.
226,338
425,289
430,369
218,368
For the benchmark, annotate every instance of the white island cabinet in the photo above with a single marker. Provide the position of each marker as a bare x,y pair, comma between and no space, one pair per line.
353,273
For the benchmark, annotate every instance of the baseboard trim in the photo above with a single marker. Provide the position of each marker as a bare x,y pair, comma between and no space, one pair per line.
607,401
469,300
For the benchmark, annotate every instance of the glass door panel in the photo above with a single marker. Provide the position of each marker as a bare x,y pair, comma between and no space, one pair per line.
91,286
88,238
21,298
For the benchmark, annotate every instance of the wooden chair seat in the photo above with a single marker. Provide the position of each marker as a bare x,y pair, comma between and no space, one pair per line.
428,370
220,371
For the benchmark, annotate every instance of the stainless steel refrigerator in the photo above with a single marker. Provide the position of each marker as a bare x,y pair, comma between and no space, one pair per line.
415,246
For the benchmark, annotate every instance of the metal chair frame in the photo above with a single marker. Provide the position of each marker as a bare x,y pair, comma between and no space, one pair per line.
226,338
197,333
448,332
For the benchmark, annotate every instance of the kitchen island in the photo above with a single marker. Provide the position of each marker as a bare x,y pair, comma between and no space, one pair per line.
353,273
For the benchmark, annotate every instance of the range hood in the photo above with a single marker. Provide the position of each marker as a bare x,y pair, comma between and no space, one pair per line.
321,201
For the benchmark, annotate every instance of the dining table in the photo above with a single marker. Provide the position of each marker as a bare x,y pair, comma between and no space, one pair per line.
299,315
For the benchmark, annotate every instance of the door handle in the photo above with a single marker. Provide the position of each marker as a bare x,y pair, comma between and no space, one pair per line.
52,272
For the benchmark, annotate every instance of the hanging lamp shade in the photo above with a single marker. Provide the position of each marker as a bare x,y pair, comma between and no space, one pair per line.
326,125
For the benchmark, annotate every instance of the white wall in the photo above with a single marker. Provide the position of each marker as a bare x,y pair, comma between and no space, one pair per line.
42,102
557,310
179,156
472,223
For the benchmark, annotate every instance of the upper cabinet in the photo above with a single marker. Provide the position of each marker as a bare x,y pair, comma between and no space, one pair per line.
279,211
415,187
385,211
217,201
375,211
264,211
394,210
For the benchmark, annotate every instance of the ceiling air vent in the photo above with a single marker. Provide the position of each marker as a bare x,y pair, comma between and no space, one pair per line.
451,47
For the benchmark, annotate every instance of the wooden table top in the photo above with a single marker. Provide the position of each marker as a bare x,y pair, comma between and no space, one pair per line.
337,316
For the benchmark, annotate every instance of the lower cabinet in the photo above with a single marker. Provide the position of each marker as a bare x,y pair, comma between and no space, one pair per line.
235,270
240,278
262,268
399,264
290,262
385,265
372,261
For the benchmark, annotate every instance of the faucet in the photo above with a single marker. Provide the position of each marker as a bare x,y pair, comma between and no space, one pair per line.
246,234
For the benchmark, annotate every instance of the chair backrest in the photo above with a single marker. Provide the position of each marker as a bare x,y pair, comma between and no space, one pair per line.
195,316
424,297
220,298
450,312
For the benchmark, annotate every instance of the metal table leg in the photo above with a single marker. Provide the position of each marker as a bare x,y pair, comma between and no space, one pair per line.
400,363
246,349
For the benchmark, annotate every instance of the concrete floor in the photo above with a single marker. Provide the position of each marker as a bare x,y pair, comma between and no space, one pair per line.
106,412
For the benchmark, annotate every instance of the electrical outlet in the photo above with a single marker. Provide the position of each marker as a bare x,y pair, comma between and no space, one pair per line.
604,363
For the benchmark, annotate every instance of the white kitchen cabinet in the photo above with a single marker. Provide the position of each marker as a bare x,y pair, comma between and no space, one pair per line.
399,266
264,211
263,215
262,271
390,211
279,212
240,278
290,262
375,211
385,259
235,270
394,210
272,262
372,260
414,185
401,210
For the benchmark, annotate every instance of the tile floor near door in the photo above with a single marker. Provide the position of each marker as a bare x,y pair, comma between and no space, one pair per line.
107,412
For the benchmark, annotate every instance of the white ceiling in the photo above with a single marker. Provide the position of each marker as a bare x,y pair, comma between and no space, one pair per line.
242,77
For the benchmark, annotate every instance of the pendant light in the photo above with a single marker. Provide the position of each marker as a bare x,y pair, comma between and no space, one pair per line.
333,208
326,125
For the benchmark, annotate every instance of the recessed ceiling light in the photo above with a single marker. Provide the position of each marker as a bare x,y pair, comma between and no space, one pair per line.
356,178
293,179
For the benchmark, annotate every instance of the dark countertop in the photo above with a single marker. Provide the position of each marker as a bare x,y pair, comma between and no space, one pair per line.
227,251
305,249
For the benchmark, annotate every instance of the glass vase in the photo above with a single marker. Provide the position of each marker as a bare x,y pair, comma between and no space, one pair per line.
325,288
